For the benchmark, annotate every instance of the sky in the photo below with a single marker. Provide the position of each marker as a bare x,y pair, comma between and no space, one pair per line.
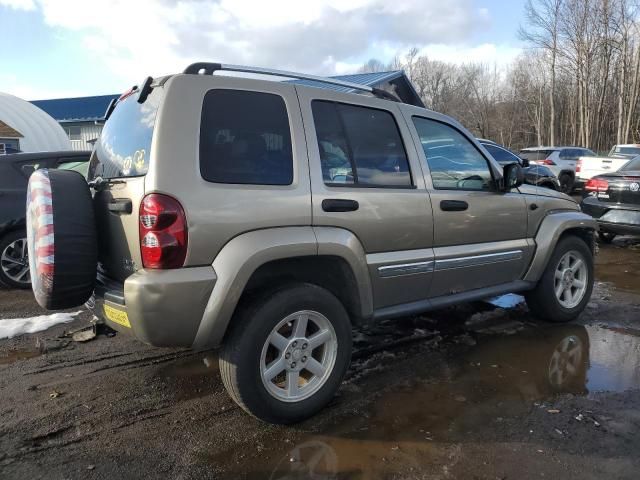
71,48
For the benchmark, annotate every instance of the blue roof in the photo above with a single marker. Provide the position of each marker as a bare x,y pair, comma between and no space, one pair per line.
368,79
79,109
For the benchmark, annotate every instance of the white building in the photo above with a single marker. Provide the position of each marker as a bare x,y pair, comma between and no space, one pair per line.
26,128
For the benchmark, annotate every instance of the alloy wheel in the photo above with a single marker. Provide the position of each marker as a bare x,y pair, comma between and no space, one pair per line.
298,356
570,279
14,262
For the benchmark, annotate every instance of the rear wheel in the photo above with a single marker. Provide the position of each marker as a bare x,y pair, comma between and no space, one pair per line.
565,287
606,237
14,260
287,353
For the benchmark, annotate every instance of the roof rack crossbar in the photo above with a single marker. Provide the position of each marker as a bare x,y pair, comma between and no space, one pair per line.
207,68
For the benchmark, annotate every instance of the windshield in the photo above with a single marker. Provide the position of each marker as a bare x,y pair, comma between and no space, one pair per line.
618,151
124,146
633,165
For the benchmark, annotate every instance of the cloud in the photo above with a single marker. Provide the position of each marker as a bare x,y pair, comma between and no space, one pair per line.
145,37
18,4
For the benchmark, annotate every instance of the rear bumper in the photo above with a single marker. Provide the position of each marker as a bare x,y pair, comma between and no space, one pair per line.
164,308
615,218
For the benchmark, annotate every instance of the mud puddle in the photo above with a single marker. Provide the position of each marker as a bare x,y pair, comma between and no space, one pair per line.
19,354
192,376
429,401
619,266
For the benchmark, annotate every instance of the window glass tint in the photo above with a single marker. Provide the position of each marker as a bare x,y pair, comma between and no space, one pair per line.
125,142
454,162
632,166
535,155
619,150
245,138
500,154
360,145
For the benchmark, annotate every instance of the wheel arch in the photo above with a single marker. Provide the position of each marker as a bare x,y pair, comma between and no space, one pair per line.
555,226
329,257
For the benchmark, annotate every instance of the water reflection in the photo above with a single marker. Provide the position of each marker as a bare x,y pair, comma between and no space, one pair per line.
427,405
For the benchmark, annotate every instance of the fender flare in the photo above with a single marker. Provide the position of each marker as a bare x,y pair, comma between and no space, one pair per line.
551,229
243,255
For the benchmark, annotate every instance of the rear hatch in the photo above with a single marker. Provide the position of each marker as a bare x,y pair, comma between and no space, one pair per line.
536,156
121,156
623,188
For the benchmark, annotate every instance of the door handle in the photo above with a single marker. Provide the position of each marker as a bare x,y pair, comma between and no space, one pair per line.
339,205
120,206
453,205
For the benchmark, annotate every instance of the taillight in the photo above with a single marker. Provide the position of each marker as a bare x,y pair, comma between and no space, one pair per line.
578,166
163,232
548,161
597,185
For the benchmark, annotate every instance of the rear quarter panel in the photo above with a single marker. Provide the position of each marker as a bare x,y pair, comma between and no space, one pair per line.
217,212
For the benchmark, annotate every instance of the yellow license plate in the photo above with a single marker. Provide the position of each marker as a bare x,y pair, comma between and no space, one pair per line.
117,316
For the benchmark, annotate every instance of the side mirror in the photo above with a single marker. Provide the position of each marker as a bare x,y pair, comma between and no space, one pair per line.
513,176
525,163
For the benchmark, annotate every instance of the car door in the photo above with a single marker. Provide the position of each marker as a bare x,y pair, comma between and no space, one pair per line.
480,234
366,179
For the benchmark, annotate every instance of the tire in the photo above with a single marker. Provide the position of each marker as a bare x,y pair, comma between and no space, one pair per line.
247,352
62,239
14,260
543,301
606,237
566,183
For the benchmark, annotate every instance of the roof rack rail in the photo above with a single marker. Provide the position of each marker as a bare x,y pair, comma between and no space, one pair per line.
207,68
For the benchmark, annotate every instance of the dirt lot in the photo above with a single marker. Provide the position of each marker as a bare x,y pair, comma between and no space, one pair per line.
477,391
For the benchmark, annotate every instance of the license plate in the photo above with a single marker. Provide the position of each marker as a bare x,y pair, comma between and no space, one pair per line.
116,316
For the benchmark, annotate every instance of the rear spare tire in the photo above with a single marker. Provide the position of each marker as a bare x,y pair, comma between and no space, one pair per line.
62,238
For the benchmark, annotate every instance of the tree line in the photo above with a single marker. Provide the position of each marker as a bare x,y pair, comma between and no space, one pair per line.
576,83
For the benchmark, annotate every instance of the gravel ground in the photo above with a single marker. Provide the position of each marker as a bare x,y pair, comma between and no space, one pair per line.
474,391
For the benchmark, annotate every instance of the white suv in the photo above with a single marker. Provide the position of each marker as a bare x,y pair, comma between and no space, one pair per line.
561,160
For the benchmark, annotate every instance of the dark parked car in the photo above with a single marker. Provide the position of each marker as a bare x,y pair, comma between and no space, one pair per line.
14,175
614,200
533,174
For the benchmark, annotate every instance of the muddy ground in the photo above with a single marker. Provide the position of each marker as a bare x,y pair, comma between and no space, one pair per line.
477,391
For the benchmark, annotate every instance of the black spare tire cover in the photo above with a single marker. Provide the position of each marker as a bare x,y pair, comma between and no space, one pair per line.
61,235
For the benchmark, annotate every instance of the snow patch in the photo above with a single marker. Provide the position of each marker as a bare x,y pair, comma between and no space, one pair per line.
509,300
12,327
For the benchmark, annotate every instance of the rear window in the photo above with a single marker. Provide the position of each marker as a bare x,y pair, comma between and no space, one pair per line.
632,166
618,150
535,155
245,138
125,143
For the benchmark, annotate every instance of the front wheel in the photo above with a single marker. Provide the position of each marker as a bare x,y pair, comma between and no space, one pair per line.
606,237
287,353
565,287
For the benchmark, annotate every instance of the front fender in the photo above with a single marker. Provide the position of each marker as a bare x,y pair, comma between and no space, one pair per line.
551,229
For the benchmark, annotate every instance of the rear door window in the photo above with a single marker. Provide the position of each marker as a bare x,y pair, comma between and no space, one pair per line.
360,146
245,138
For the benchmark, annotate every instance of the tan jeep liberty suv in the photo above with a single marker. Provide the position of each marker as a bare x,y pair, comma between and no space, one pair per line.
267,217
